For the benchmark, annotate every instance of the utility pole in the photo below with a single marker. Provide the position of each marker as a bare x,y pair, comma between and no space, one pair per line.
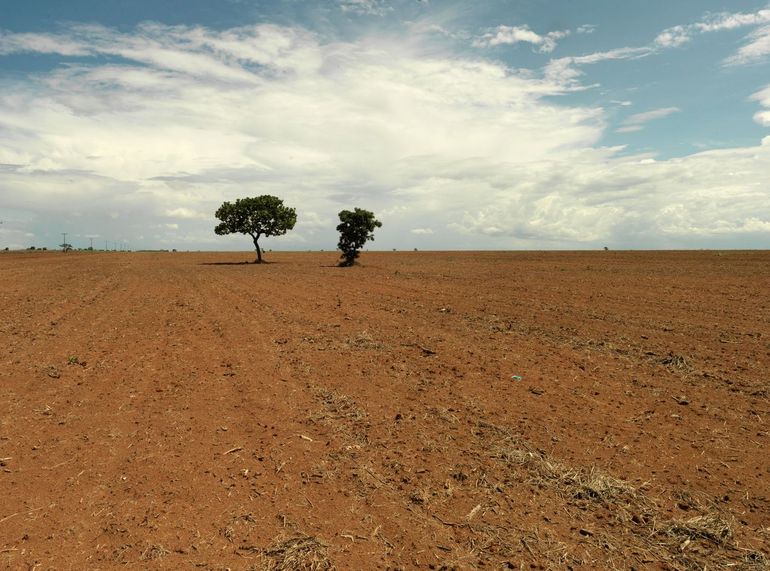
64,242
92,244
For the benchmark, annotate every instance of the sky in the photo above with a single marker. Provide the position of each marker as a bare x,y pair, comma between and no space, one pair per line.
503,124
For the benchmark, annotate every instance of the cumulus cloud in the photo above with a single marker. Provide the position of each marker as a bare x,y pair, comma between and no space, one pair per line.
763,97
192,117
481,155
632,200
509,35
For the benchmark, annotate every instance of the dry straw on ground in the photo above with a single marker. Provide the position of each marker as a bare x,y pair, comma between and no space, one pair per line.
301,553
642,531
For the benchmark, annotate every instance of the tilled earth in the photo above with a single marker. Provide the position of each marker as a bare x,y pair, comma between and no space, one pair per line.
592,410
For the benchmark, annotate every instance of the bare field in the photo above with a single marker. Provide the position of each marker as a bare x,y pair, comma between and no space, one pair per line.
597,410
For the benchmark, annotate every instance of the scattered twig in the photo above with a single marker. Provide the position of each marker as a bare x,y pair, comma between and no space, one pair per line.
9,517
373,475
59,464
448,523
236,449
352,537
473,512
425,350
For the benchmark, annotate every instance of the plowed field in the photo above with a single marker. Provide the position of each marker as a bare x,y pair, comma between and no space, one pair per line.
591,410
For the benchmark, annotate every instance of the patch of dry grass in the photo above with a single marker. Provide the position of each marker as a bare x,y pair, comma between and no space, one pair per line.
154,552
678,362
710,526
336,406
299,553
641,533
344,414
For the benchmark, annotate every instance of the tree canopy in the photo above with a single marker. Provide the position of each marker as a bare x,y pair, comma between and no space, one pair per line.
258,216
355,228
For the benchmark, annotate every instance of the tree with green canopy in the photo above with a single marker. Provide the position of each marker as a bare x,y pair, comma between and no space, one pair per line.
259,216
355,229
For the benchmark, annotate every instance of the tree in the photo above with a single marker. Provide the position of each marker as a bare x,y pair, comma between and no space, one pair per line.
355,229
259,216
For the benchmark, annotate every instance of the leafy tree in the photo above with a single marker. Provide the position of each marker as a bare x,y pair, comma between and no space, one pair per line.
65,247
259,216
355,229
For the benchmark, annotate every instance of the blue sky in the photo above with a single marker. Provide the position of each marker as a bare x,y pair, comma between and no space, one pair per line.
492,125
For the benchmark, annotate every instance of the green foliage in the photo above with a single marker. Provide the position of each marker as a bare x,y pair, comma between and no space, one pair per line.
355,229
259,216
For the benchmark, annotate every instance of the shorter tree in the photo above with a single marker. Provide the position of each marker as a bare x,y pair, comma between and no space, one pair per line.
259,216
355,229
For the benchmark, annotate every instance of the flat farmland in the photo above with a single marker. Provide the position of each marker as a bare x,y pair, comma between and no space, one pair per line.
496,410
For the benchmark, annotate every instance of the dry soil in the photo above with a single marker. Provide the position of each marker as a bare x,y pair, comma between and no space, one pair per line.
591,410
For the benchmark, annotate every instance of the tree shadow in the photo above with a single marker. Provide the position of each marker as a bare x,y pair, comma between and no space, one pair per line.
263,263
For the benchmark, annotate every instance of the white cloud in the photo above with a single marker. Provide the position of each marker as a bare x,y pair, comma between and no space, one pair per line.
763,118
563,70
679,35
674,37
763,97
635,122
757,45
629,129
591,199
473,151
365,7
731,21
185,213
508,35
756,49
15,238
40,43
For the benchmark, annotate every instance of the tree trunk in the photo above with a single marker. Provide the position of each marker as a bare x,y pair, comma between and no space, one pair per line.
259,252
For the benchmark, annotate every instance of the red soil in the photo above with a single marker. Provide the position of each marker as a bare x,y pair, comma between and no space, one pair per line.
180,411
